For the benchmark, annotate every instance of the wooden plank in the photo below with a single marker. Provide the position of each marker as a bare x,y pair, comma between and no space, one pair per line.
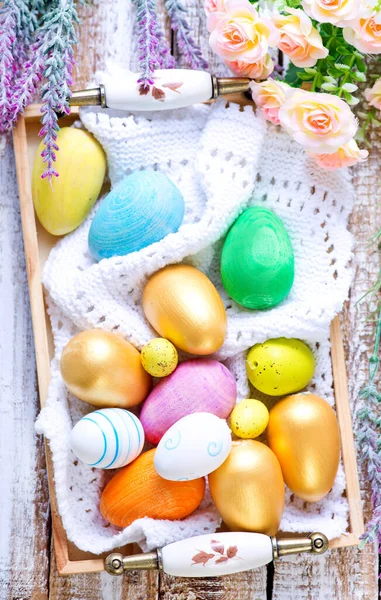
24,522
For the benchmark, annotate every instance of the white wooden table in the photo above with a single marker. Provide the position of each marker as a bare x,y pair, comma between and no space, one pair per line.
27,568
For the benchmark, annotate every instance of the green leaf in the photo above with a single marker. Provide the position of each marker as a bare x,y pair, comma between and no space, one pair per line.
351,100
292,76
350,87
358,76
360,64
310,71
329,79
304,76
334,72
342,67
329,87
344,51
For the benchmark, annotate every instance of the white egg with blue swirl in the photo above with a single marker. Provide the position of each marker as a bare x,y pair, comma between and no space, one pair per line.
193,447
108,438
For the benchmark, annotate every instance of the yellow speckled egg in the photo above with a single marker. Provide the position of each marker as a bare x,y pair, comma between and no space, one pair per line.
280,366
62,204
159,357
183,305
249,419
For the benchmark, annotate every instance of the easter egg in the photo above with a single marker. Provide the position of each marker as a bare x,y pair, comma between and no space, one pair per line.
140,210
183,305
257,261
63,203
248,488
137,491
105,370
249,419
159,357
280,366
199,385
107,439
304,434
193,447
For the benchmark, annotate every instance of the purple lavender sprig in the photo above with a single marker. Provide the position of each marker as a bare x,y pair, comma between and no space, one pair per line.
58,37
369,438
147,28
186,44
8,25
164,56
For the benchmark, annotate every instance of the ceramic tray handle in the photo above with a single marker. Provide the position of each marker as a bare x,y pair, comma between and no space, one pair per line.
173,88
216,554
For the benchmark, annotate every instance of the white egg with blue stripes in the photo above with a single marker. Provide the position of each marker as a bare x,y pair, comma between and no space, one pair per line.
193,447
109,438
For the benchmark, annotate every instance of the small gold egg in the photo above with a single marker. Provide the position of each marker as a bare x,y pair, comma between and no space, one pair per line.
183,305
105,370
248,488
249,419
159,357
303,432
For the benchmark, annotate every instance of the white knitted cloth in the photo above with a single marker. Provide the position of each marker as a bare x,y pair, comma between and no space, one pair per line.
223,160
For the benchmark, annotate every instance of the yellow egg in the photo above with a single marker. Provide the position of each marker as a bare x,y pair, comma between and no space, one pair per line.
159,357
62,204
183,305
249,419
280,366
105,370
248,488
304,434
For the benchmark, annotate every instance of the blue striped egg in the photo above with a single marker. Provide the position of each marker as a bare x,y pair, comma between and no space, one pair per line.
141,209
107,439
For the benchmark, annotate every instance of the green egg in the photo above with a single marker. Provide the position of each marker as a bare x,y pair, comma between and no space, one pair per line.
280,366
257,262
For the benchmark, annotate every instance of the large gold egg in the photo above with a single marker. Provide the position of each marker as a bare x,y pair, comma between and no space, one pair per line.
103,369
304,434
183,305
248,488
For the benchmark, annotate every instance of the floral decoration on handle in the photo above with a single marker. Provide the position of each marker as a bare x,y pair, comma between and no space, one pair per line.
219,554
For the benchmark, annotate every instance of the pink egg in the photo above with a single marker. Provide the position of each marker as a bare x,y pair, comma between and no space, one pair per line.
199,385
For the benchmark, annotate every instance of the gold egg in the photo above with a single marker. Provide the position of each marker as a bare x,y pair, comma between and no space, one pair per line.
103,369
248,488
183,305
304,434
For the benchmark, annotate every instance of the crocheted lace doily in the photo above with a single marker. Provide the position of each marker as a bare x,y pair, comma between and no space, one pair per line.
223,160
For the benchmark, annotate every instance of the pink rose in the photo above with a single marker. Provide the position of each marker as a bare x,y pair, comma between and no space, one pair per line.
346,156
269,96
321,123
259,70
240,35
365,34
215,11
299,39
373,95
337,12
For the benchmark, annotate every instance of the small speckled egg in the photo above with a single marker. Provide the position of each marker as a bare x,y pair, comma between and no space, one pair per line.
249,419
107,439
280,366
193,447
159,357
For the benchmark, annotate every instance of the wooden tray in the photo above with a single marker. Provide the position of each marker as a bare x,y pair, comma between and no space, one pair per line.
38,244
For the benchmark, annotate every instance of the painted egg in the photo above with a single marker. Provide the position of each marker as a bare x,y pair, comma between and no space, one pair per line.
105,370
137,491
248,488
257,262
199,385
304,434
108,438
140,210
249,419
280,366
193,447
183,305
159,357
63,203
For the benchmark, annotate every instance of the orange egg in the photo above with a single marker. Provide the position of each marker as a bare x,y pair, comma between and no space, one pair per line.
137,491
